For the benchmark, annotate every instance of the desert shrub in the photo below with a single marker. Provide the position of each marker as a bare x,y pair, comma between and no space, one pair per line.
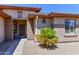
47,37
48,33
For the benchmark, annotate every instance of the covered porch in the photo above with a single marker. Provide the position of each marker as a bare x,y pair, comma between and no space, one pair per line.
34,24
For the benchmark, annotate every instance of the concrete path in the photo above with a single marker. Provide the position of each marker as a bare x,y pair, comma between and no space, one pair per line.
18,50
31,48
7,48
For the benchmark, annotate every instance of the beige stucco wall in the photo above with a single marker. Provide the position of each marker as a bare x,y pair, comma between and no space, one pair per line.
14,13
8,29
59,27
1,30
30,34
41,25
59,24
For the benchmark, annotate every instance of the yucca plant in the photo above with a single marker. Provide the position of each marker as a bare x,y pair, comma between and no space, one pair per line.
47,37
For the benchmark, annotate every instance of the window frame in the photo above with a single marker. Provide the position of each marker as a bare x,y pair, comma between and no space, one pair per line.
43,21
69,29
19,14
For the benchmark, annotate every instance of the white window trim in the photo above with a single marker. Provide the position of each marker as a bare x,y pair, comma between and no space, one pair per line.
70,34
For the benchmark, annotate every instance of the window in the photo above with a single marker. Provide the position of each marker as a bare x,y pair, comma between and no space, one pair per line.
15,26
19,14
70,26
43,20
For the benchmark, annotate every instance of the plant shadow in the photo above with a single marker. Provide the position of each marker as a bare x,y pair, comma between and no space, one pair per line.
49,47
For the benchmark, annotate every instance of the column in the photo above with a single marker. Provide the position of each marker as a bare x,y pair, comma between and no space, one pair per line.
29,30
36,28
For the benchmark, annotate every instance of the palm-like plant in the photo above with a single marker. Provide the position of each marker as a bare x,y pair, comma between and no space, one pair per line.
47,37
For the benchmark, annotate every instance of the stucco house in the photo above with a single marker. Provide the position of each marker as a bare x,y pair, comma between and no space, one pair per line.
13,21
66,25
26,22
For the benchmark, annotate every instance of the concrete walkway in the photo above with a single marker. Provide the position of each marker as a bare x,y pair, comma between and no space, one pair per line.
7,48
31,48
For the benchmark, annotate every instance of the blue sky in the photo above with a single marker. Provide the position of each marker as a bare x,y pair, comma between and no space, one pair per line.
70,8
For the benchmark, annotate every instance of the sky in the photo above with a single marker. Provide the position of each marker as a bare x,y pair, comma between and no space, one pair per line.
46,8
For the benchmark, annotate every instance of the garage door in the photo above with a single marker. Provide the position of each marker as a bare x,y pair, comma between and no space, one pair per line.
1,29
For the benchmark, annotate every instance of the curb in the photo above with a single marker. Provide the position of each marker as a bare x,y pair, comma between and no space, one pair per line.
18,50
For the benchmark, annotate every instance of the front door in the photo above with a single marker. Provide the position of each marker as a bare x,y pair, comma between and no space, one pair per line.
22,30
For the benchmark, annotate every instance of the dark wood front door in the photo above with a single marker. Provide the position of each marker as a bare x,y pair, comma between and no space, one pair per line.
21,29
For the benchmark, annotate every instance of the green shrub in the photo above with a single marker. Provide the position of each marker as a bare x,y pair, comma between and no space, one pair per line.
48,33
47,37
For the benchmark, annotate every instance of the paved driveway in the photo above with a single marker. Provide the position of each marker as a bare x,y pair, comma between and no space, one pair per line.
30,48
